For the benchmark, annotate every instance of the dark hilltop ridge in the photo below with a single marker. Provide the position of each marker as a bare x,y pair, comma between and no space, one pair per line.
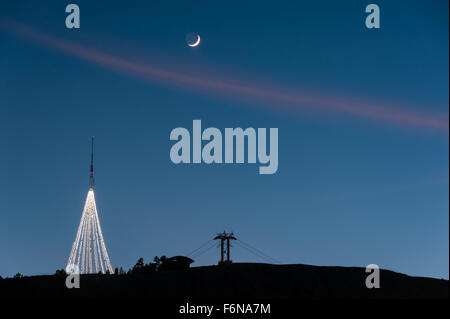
234,280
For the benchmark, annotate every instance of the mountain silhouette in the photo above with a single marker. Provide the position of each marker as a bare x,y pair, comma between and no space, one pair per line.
236,280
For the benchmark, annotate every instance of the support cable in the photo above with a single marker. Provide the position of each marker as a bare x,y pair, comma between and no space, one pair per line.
257,251
199,253
201,246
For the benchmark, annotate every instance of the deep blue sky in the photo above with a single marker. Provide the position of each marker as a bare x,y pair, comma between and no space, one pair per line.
349,191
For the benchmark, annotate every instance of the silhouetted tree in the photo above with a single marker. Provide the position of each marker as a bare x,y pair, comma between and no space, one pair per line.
18,275
121,271
116,271
159,261
150,267
60,272
139,263
139,266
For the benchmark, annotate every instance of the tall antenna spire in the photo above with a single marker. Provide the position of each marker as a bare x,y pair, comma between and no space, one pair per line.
88,254
91,171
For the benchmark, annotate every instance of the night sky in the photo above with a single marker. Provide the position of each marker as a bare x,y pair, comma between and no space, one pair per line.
362,116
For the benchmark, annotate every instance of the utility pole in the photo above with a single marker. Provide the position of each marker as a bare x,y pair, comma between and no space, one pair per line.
225,237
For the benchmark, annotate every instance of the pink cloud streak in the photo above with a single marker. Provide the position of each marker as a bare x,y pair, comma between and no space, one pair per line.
290,100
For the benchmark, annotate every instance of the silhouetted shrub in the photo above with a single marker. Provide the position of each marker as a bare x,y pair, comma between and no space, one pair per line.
60,272
141,268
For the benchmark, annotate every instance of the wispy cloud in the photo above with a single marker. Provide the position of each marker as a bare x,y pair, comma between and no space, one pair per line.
291,100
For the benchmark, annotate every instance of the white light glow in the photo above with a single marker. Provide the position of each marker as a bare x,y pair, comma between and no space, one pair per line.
88,250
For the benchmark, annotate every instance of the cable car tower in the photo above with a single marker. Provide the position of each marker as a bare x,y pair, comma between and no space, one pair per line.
225,237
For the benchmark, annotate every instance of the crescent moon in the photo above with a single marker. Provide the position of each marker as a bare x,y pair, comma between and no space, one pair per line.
196,42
